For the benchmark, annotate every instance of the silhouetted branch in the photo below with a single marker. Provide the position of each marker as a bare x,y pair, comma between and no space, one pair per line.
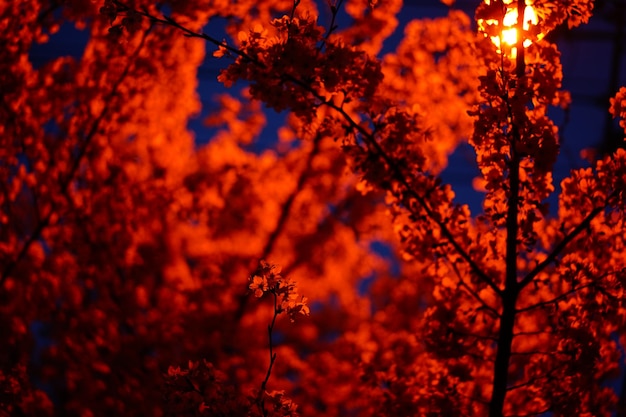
260,401
165,20
535,413
285,210
65,183
334,9
532,333
552,301
473,292
561,246
534,352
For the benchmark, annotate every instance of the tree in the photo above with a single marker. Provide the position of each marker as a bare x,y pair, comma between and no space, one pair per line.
139,270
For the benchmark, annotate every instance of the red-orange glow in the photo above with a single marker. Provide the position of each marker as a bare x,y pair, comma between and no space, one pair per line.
508,34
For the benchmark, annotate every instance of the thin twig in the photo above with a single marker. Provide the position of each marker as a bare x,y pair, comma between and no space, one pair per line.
260,400
473,292
534,379
334,10
535,352
593,284
293,9
562,244
553,301
165,20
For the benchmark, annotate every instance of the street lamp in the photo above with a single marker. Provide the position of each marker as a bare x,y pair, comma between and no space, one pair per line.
503,29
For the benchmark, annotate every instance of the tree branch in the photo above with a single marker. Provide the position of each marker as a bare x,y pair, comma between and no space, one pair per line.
561,245
473,292
285,210
367,136
65,183
554,300
168,21
260,400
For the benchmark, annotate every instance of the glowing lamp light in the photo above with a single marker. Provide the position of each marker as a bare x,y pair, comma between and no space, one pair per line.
508,33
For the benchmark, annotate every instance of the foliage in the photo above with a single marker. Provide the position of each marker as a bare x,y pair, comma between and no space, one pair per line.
132,259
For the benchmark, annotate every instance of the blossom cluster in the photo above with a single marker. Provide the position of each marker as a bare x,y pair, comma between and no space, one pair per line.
201,389
267,278
281,405
297,66
618,107
131,20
